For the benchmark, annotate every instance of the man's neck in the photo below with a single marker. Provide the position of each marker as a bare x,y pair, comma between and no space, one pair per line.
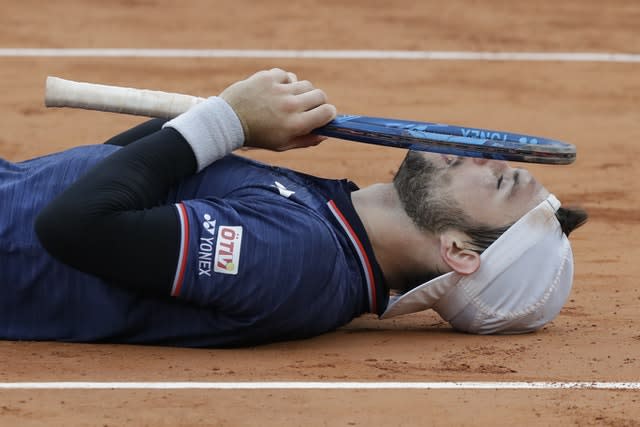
403,251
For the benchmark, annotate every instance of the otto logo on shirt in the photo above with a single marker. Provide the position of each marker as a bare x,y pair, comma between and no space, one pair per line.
228,249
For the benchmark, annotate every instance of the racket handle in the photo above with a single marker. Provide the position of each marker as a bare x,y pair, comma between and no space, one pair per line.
150,103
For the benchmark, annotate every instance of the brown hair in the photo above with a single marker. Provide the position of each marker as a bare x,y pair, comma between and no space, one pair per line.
481,236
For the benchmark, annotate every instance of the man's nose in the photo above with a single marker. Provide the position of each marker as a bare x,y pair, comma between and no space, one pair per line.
480,161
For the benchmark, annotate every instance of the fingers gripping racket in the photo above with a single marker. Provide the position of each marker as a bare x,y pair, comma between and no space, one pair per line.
422,136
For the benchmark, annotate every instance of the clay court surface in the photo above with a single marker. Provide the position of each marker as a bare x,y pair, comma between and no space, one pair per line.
595,105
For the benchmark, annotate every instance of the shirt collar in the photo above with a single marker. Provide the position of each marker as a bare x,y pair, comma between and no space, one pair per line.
345,214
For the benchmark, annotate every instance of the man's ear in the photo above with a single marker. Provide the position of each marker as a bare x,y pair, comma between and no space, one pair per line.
453,253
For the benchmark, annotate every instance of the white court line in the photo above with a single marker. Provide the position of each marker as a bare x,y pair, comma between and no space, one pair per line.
324,54
535,385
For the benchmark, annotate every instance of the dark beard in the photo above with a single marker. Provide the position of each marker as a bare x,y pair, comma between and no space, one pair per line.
421,188
417,183
414,184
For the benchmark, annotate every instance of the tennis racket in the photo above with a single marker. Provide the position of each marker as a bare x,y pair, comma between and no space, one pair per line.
412,135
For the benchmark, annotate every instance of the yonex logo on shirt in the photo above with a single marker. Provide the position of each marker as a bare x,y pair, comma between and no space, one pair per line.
283,190
205,255
205,248
209,224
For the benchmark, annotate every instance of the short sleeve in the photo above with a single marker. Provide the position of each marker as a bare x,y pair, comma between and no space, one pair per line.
254,255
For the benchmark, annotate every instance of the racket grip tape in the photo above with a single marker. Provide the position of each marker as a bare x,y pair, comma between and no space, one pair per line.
149,103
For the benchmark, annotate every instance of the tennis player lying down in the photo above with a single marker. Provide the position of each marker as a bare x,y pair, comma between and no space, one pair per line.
162,236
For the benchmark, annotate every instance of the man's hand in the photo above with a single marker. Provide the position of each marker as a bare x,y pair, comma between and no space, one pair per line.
277,111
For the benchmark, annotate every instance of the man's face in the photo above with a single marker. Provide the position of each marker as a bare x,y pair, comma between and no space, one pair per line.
490,192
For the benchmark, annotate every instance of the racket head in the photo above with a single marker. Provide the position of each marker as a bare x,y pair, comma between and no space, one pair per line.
450,139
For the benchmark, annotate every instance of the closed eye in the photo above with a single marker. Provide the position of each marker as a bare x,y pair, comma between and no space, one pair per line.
457,161
500,181
516,179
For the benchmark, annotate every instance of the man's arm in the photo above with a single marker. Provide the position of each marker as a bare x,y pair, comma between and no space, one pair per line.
110,223
137,132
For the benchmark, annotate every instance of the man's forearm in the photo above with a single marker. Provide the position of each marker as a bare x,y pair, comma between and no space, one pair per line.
110,223
137,132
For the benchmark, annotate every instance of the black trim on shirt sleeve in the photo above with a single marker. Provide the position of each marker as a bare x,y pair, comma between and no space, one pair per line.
112,222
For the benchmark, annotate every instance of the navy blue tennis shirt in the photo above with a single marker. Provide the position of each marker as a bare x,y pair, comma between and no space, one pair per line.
266,254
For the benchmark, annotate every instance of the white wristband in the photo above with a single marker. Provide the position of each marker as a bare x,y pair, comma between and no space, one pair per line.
211,128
